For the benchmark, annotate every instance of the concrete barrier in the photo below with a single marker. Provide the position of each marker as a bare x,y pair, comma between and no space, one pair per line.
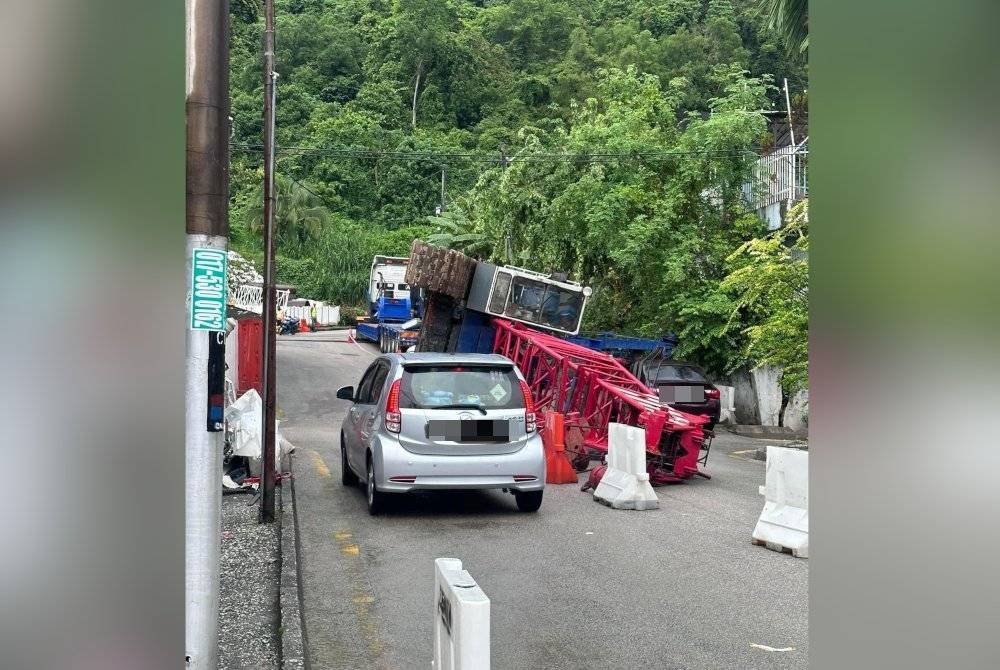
727,404
625,484
461,619
784,521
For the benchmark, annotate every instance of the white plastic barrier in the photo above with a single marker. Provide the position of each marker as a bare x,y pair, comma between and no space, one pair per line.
625,484
326,315
784,522
461,619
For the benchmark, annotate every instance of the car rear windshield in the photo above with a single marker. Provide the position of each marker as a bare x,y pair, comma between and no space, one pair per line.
675,373
490,387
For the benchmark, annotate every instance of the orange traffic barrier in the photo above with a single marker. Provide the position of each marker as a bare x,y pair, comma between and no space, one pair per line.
558,469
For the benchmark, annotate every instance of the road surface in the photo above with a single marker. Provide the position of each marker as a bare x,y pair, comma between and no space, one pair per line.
577,585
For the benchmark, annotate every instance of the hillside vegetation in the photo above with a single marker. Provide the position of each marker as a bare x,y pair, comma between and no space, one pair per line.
605,138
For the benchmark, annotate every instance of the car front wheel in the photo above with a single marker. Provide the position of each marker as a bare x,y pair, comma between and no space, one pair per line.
347,476
528,501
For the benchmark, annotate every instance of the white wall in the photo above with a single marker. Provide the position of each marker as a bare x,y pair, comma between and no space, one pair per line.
768,392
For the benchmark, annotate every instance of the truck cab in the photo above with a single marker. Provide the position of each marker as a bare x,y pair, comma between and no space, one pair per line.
388,292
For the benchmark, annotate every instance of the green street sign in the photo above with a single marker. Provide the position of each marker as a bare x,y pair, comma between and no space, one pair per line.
208,289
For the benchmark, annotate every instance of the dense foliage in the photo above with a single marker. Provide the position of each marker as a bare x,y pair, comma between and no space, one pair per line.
769,282
378,99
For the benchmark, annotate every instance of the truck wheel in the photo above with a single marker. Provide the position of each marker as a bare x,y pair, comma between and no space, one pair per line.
381,341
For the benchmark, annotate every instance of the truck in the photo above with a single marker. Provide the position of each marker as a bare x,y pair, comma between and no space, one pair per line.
533,318
393,306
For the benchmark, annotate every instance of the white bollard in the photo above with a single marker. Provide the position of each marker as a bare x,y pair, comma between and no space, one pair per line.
461,619
784,522
625,484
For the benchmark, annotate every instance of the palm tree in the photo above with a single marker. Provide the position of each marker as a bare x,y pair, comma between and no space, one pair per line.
299,215
790,19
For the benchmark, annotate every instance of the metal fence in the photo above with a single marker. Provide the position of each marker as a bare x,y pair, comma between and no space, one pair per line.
251,298
780,176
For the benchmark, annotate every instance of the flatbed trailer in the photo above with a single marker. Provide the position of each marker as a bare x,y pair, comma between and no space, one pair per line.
389,336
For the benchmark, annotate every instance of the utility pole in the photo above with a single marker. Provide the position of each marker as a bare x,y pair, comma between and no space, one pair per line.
788,108
269,335
207,228
442,188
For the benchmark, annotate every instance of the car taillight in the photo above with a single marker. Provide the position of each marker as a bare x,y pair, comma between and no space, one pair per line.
530,422
711,393
393,419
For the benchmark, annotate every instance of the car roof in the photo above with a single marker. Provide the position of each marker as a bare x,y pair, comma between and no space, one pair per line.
434,357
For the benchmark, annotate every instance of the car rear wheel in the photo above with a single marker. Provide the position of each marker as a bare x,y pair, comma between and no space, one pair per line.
528,501
376,499
347,476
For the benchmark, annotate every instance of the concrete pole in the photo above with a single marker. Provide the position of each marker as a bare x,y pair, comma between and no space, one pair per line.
207,225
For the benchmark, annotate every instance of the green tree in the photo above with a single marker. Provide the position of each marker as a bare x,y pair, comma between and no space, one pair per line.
769,285
790,18
299,216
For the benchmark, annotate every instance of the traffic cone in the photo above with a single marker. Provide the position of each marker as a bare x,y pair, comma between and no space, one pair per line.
303,326
558,469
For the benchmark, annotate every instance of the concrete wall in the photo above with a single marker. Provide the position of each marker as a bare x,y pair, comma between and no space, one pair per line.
796,415
757,397
768,390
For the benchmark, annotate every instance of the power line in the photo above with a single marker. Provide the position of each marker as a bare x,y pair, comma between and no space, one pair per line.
373,154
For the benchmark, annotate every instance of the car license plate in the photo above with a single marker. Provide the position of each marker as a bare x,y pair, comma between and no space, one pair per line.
672,394
480,430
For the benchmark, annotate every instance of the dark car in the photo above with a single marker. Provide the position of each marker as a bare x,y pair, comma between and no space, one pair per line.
683,386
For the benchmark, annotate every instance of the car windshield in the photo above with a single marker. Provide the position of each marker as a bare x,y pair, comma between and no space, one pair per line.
486,387
671,372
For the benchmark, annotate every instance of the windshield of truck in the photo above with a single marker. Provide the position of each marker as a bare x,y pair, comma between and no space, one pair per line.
545,304
489,387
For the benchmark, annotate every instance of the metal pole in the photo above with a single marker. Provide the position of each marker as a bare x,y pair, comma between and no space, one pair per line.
442,188
788,107
207,225
269,335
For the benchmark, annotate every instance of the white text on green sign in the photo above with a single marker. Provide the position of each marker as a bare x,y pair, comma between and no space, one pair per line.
208,289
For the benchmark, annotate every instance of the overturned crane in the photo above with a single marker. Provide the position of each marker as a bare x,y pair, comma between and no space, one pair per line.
473,306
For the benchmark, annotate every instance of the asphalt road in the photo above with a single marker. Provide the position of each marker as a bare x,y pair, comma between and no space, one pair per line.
577,585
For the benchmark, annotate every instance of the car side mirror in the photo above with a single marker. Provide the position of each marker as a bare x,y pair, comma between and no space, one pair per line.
345,393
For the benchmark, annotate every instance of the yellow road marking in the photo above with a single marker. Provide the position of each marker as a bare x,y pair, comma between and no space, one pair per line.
364,603
320,466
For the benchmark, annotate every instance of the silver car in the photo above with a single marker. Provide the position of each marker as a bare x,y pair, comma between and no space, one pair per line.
442,421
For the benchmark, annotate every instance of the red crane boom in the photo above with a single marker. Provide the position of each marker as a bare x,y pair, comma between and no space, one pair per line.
593,389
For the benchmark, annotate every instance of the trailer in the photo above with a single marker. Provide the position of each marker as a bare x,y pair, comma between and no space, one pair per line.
389,337
626,348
